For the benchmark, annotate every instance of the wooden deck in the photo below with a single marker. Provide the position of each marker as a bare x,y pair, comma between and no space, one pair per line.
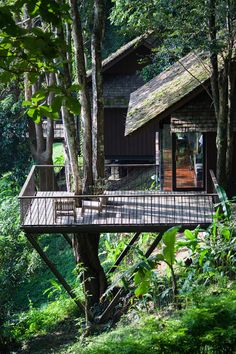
124,211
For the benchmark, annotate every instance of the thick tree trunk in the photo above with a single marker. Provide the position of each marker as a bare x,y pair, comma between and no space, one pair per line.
97,83
84,97
85,247
40,146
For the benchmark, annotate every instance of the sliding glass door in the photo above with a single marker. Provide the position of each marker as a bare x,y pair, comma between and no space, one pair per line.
188,161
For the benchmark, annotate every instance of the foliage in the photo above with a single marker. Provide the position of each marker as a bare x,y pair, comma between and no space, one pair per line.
212,254
36,50
38,321
58,154
15,153
15,253
208,327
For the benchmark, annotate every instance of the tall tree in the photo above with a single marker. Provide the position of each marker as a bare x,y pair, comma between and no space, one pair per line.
84,96
97,84
45,54
86,245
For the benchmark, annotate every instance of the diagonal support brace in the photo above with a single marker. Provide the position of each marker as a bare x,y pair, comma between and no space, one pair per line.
124,252
120,293
57,274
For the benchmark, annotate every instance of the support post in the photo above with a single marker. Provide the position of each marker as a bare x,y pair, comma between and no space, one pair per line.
57,274
124,252
68,239
120,293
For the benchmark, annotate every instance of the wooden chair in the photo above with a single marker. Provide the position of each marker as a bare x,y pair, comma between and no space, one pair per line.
65,207
93,204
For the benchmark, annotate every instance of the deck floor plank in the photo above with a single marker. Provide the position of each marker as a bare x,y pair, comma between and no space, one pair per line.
135,209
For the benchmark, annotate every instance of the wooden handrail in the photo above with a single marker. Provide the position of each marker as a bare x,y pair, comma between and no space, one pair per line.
27,181
214,180
131,195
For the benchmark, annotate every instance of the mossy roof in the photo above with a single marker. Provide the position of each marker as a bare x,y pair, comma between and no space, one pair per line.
167,89
144,39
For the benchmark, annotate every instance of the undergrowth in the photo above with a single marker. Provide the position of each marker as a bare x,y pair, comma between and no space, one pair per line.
207,326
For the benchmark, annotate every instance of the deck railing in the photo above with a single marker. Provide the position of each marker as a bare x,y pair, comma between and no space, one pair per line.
58,130
123,209
42,206
220,200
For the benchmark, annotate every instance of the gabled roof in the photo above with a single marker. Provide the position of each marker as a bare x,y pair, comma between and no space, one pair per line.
165,90
129,47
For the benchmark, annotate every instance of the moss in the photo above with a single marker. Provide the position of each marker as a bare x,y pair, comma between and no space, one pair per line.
166,90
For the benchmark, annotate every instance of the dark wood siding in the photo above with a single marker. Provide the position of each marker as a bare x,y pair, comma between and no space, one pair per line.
197,115
138,146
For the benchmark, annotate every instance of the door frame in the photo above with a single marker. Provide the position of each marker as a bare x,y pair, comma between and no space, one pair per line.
174,184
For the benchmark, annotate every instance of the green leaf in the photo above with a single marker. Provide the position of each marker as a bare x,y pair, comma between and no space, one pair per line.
72,104
169,239
226,233
189,234
57,103
201,257
142,289
159,257
26,103
75,87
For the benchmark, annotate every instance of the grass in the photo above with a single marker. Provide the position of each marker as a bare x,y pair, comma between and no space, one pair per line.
43,320
58,154
206,327
33,290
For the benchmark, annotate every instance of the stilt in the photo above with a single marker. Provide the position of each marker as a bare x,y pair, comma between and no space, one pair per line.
68,239
124,252
121,292
57,274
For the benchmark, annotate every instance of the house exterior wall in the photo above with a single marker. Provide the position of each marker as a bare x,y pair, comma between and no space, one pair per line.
117,89
119,81
196,115
139,146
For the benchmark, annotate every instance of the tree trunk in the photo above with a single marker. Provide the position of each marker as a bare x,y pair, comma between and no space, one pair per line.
41,147
230,129
69,121
219,86
84,97
221,138
97,83
86,247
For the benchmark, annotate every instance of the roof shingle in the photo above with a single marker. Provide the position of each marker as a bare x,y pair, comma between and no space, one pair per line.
166,89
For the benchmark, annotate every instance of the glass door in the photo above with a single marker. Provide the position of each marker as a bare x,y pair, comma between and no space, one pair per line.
188,161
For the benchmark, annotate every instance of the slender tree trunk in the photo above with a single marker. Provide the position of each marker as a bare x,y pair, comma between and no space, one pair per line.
97,83
41,146
69,121
221,138
84,97
219,88
230,127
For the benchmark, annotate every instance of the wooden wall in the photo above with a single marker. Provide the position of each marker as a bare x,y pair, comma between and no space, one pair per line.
138,146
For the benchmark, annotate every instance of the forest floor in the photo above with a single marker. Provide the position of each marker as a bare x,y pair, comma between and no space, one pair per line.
65,334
